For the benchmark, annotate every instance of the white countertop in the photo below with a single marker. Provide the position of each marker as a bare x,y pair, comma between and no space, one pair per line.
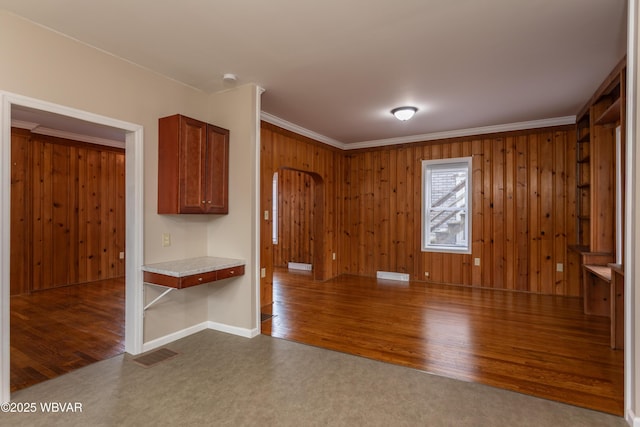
191,266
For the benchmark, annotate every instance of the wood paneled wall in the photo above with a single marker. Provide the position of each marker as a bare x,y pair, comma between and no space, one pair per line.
522,217
295,219
523,207
67,212
284,150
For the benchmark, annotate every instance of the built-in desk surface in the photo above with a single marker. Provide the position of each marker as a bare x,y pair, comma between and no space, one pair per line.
188,272
602,271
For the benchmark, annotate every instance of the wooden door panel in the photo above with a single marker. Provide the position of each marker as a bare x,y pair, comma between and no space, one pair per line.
193,142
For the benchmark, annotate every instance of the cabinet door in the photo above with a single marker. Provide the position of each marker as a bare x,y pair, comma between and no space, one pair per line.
192,158
216,172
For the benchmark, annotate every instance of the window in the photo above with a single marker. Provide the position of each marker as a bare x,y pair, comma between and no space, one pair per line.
446,198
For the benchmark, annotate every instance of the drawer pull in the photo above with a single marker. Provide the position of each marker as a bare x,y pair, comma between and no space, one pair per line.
231,272
199,279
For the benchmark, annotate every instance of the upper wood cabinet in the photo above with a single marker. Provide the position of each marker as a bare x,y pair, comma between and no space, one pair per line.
193,167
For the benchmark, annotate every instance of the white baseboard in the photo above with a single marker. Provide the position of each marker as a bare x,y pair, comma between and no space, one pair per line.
221,327
631,419
159,342
233,330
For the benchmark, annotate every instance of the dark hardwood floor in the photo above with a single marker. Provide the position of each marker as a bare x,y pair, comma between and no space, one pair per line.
538,345
56,331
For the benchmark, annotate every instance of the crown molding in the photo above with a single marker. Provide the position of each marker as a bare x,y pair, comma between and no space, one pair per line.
22,124
274,120
41,130
483,130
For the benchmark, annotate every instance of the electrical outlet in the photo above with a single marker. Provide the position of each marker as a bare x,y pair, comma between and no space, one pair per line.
266,215
476,261
121,255
334,256
263,273
560,267
166,240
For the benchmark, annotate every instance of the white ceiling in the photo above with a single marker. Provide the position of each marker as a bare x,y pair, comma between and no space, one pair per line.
337,67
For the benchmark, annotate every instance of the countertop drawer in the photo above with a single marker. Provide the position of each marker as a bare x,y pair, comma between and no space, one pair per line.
198,279
230,272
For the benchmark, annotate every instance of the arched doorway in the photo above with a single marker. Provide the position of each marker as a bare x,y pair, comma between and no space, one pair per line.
297,224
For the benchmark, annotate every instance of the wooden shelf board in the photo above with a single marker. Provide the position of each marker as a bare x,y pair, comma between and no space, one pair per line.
611,114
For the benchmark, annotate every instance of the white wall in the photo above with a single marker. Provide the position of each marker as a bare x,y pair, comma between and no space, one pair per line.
233,301
45,65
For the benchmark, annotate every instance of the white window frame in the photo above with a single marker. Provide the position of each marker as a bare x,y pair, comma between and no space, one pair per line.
427,167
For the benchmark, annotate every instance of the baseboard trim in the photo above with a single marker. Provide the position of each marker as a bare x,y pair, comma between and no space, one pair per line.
159,342
221,327
631,419
233,330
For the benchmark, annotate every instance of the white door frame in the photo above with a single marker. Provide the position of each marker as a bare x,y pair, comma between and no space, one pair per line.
134,167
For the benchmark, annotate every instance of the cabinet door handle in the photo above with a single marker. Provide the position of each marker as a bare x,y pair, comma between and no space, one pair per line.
203,202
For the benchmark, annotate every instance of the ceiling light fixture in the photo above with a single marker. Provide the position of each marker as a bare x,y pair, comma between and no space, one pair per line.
404,113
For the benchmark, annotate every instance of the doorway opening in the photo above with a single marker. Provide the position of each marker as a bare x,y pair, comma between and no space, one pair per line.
67,247
293,219
133,143
296,237
297,233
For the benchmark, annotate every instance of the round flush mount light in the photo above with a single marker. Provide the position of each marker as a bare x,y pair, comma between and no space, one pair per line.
404,113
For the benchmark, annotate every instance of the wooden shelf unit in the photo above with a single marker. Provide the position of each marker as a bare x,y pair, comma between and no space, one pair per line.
597,184
596,164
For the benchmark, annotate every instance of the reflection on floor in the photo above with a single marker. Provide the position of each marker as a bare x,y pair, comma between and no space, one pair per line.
539,345
59,330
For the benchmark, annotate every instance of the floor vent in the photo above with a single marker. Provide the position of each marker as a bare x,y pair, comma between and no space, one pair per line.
389,275
151,359
299,266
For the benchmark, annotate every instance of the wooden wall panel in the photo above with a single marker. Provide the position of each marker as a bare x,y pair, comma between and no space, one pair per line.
20,253
295,219
324,165
267,152
69,212
521,212
522,207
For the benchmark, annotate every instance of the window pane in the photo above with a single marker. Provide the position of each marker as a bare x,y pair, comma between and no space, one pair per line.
447,227
446,201
448,187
